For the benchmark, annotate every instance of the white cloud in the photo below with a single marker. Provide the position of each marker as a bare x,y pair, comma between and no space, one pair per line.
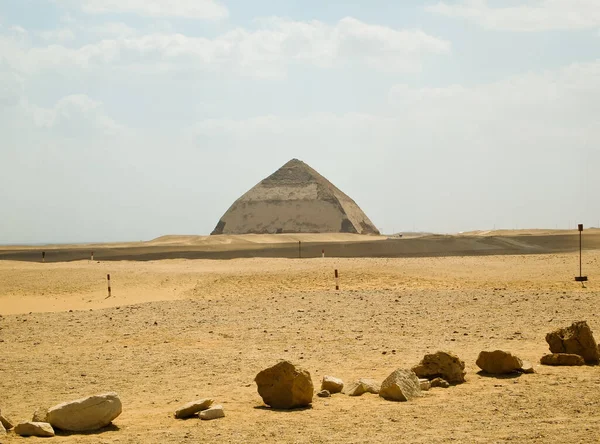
61,35
195,9
534,15
265,52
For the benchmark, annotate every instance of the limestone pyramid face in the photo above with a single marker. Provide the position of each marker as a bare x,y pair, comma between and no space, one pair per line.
294,199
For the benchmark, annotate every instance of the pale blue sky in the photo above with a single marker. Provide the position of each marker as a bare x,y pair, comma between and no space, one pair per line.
130,119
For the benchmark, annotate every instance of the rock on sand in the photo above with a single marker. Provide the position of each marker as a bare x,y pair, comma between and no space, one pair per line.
498,362
441,364
562,359
214,412
576,340
30,428
285,386
6,422
332,385
362,386
85,414
191,408
401,385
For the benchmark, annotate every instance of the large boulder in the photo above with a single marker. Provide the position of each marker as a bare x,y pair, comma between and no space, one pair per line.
442,364
401,385
85,414
562,359
576,340
332,385
191,408
498,362
30,428
362,386
285,386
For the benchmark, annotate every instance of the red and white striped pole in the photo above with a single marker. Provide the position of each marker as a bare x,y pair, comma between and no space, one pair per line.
43,256
323,252
92,256
108,279
337,282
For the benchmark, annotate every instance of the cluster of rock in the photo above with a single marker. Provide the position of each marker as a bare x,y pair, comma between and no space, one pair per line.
81,415
201,408
574,345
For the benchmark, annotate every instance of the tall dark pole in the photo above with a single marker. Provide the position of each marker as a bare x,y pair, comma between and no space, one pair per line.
580,278
580,231
300,249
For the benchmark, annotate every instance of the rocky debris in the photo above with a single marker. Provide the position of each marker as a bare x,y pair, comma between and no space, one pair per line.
498,362
214,412
331,384
576,340
6,422
30,428
191,408
401,385
527,367
40,415
324,394
441,364
362,386
562,359
91,413
439,382
425,384
285,386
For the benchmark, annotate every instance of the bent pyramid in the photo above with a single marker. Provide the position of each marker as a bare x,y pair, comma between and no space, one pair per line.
294,199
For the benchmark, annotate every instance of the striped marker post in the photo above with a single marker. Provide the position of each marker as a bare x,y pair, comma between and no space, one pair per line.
92,256
108,279
323,253
43,256
299,249
337,282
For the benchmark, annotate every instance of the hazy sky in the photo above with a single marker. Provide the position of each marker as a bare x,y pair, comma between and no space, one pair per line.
130,119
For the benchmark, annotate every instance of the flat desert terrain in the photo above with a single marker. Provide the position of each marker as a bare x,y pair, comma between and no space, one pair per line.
175,330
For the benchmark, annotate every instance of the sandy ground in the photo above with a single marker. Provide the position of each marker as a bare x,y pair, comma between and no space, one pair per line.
177,330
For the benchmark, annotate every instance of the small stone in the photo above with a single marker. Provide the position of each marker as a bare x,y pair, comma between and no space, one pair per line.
425,384
191,408
2,430
440,382
441,364
562,359
40,415
527,367
498,362
324,394
362,386
333,385
41,429
401,385
214,412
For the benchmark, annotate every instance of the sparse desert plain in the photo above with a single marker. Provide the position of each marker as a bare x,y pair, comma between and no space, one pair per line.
175,330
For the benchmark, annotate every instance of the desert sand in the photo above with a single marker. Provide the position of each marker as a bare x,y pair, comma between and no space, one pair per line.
176,330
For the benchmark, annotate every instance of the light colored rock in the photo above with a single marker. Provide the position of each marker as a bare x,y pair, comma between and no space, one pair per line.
285,386
214,412
562,359
498,362
191,408
2,430
527,367
440,382
401,385
91,413
441,364
576,340
324,394
425,384
30,428
332,385
6,422
362,386
40,415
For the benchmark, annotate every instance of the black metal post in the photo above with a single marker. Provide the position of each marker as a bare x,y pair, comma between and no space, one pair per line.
299,249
